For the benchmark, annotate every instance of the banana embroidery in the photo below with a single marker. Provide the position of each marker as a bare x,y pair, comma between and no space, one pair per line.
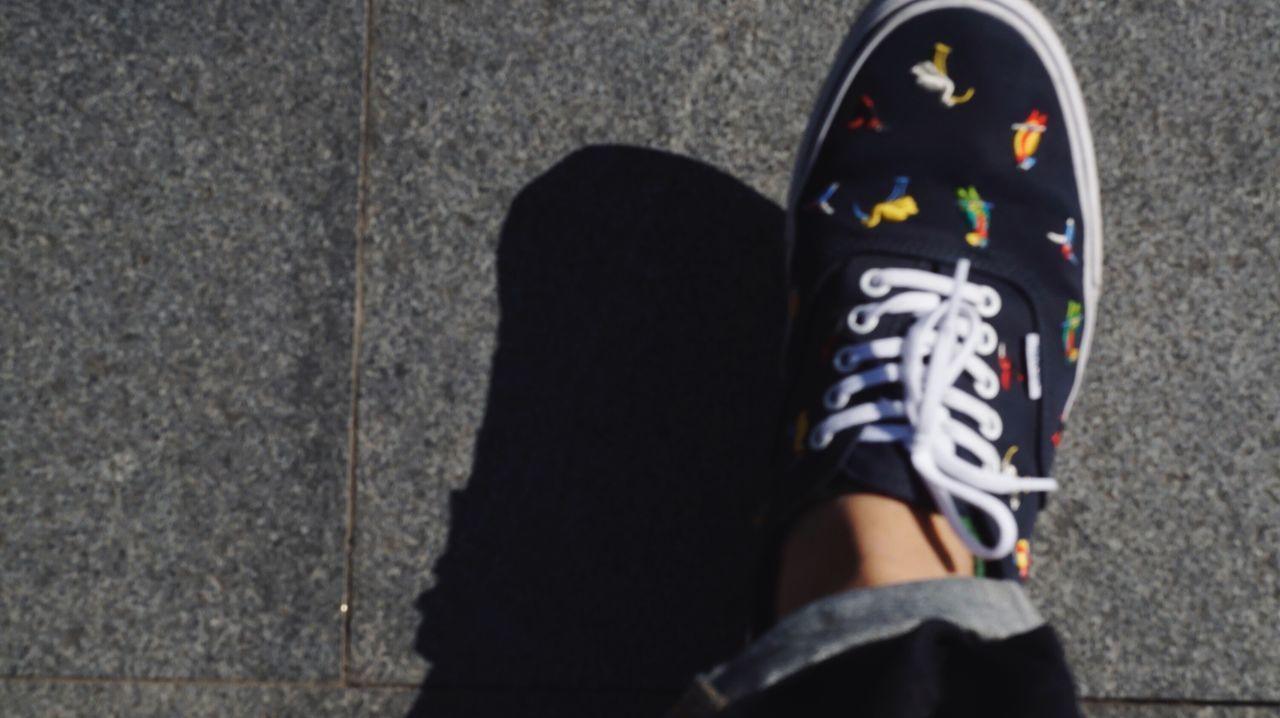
1008,469
897,207
933,76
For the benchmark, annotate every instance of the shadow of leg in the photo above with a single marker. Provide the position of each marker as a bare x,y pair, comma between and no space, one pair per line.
602,550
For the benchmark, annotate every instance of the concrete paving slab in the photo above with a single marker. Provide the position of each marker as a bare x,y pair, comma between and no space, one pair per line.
157,700
1174,710
1162,555
471,102
177,205
1158,562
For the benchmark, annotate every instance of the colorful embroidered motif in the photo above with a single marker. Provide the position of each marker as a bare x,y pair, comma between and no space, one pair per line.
1070,326
823,202
1008,469
897,207
801,431
1057,435
933,76
1026,138
866,116
1022,557
1067,239
1006,368
979,214
1006,464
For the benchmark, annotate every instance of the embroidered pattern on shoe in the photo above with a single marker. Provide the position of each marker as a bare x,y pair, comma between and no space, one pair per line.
1026,138
1067,240
1070,327
1022,557
897,207
1057,435
933,76
979,213
1007,467
823,202
1006,368
866,116
801,431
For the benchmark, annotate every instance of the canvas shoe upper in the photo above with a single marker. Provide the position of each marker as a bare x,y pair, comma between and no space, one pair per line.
945,255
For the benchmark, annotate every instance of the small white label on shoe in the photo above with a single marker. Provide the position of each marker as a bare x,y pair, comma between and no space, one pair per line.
1033,366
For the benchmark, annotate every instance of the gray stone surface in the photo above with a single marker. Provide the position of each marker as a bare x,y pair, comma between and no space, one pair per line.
177,204
1161,558
1098,709
177,211
1158,562
473,100
160,700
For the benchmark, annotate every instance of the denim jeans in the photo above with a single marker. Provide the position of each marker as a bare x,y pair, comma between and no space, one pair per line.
933,648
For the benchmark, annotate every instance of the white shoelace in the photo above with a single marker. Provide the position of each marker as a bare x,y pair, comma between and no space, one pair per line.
950,333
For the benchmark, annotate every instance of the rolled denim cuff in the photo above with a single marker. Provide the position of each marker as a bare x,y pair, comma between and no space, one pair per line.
994,610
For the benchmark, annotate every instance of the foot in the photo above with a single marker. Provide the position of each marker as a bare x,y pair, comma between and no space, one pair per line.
945,236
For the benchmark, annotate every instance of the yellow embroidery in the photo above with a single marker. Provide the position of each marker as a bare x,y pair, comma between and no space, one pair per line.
1070,327
1026,138
1022,557
897,207
1007,464
1008,469
978,211
802,432
933,76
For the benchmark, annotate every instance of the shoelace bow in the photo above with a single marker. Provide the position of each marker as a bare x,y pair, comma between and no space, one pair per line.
947,340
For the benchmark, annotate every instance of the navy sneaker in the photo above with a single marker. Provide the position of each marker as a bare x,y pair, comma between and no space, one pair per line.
945,239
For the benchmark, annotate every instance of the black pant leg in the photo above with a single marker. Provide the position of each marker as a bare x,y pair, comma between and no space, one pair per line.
937,671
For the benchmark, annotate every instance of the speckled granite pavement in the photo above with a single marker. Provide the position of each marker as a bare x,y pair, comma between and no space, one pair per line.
205,207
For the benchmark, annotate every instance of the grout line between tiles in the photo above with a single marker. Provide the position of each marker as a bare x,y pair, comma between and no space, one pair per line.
357,334
335,684
346,683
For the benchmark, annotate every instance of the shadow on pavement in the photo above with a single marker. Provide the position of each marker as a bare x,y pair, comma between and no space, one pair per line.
601,552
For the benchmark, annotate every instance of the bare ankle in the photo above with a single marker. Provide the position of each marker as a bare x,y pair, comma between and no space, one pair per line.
864,540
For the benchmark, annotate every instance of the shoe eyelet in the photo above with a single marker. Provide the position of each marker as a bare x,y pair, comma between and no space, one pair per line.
989,341
818,439
872,284
990,302
835,399
993,428
845,360
987,387
862,321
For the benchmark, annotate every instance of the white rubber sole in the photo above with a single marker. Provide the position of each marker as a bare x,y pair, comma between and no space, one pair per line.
881,18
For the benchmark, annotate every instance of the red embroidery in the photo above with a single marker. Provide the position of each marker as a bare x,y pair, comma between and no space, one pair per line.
866,117
1006,369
